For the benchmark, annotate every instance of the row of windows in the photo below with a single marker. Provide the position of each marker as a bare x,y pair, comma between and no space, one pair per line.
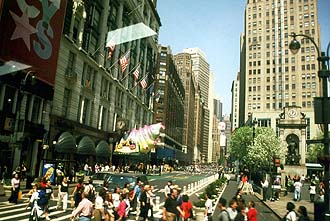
305,104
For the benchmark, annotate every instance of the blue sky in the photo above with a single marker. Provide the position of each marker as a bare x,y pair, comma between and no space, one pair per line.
215,27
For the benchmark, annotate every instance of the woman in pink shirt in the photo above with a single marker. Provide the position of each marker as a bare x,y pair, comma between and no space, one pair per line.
121,209
252,213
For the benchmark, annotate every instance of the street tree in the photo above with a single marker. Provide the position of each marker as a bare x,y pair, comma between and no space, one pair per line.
259,150
314,150
266,147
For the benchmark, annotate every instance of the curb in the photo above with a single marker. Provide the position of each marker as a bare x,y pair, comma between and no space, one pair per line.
259,196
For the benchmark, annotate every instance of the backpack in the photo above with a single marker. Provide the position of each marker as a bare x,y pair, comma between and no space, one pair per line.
42,198
224,212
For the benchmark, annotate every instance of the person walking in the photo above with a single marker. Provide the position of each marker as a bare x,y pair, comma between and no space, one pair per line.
186,207
77,192
297,190
84,209
63,194
312,191
291,214
121,209
100,213
223,215
252,212
208,208
171,207
232,209
167,188
15,186
145,202
49,194
303,216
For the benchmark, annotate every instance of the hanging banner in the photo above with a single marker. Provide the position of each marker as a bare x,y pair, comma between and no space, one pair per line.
31,33
142,140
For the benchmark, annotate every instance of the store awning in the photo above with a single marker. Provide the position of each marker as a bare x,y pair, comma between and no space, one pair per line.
86,146
66,143
103,149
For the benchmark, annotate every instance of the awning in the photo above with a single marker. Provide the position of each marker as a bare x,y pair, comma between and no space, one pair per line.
314,165
86,146
66,143
103,149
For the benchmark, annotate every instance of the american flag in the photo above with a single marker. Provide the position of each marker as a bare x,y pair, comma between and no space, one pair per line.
111,45
144,83
124,61
136,73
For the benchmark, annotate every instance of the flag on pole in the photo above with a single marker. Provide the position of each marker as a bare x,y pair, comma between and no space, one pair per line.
136,73
157,97
144,83
111,45
124,61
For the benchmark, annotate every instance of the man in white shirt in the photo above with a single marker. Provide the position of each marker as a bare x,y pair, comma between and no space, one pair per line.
265,186
297,190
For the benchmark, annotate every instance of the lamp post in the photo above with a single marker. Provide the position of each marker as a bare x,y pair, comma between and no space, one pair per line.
254,122
321,104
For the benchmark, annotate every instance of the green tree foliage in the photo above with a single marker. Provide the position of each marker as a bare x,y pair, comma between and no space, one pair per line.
314,150
258,153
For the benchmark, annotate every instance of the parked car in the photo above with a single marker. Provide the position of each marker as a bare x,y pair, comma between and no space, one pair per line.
117,179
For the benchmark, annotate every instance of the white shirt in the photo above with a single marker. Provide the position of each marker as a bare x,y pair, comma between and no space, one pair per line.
208,205
98,202
312,189
297,185
265,184
232,213
115,199
291,216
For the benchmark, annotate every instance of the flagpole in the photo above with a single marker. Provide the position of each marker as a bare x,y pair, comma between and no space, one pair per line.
109,68
129,72
149,86
137,83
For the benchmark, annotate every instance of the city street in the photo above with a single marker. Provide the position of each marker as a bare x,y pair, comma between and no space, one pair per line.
17,212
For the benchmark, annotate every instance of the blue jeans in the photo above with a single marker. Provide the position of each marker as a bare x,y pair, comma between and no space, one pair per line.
297,194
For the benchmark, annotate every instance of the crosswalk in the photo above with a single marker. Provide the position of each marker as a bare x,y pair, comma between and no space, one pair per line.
18,212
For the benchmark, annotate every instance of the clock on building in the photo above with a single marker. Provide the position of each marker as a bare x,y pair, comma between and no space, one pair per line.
292,113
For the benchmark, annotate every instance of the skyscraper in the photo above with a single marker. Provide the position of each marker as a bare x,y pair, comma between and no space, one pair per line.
273,77
201,71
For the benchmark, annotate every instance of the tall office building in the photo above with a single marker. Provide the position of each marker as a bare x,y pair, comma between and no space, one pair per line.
169,109
275,78
183,63
201,71
217,107
235,104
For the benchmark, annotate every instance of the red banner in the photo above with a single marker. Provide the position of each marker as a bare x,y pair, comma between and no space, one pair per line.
31,33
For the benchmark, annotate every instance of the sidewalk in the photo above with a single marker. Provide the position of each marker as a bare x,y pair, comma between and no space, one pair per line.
279,207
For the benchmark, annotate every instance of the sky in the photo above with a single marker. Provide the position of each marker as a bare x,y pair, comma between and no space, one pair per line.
215,26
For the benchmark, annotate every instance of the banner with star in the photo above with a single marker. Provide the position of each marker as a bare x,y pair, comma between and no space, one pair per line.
31,34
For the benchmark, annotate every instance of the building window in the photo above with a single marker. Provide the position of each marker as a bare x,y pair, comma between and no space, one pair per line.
66,103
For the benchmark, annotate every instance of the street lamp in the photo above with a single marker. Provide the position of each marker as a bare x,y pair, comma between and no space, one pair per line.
321,104
254,122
